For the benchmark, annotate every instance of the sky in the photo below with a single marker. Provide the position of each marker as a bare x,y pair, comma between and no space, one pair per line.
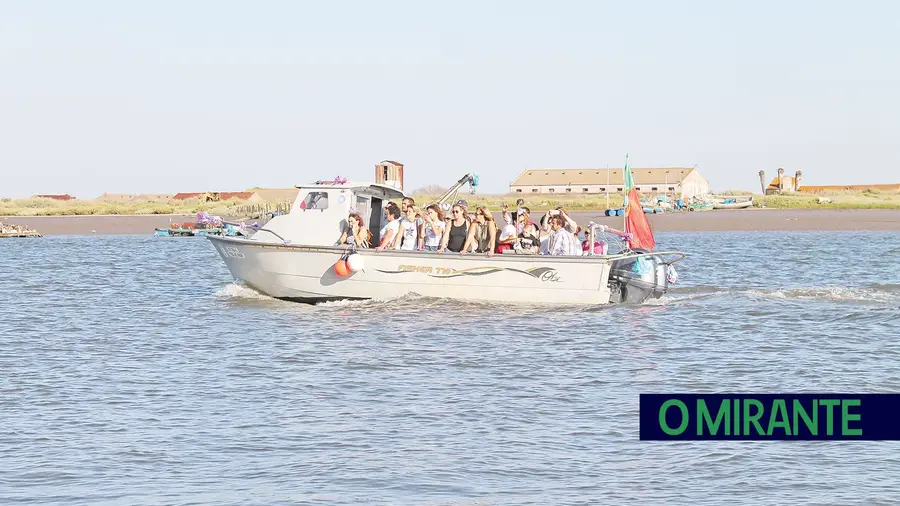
167,96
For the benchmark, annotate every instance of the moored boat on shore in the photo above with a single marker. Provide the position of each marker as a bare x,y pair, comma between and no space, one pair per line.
732,202
204,226
8,230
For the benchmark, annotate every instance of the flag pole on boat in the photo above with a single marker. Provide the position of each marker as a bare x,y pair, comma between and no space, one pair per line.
628,183
639,234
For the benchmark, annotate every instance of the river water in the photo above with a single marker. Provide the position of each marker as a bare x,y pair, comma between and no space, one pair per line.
132,371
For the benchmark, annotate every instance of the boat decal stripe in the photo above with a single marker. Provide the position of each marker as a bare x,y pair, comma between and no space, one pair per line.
469,272
536,272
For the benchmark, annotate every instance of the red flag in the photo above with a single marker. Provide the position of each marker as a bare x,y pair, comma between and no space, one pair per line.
636,223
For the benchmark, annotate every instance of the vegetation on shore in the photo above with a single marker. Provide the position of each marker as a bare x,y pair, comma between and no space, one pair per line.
871,199
52,207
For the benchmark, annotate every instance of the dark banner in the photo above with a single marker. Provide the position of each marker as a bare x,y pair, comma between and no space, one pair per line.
829,416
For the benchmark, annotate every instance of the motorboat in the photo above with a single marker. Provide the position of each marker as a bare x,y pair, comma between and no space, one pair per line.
296,257
732,202
205,225
9,230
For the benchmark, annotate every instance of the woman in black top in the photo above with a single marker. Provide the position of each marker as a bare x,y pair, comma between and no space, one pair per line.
455,232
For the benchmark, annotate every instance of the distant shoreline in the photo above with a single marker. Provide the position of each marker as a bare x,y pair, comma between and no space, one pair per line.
698,221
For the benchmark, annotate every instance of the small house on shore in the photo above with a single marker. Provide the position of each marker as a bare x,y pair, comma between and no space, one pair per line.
65,196
782,184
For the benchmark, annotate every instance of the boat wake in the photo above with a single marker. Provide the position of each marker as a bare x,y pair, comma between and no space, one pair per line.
237,291
879,294
369,302
835,294
874,293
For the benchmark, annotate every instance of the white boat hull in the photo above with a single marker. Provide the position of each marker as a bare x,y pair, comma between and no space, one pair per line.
733,205
306,273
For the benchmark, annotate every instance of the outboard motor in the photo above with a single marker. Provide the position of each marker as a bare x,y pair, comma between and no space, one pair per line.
636,279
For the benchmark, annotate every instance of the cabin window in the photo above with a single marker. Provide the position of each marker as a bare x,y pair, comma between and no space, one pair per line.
518,190
362,206
315,200
653,189
619,189
585,190
568,189
671,188
552,190
603,189
534,190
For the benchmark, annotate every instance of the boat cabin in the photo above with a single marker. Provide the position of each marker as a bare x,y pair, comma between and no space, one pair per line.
319,213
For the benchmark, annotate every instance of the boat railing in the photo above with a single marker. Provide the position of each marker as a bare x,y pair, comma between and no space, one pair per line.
626,252
678,254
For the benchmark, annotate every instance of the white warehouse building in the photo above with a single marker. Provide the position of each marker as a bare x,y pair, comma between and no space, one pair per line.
678,182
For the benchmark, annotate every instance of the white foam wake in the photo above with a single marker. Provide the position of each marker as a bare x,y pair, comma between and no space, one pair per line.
878,294
236,291
367,302
834,293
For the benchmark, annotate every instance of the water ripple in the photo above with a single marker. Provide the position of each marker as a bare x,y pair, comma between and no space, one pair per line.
135,372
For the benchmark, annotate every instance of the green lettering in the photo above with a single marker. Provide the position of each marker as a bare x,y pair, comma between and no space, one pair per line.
684,417
752,418
829,417
846,417
812,425
736,403
703,416
779,406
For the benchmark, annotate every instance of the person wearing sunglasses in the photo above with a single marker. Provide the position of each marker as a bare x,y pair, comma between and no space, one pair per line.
456,231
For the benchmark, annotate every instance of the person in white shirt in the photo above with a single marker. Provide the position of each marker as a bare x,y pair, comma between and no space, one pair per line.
391,230
562,242
433,227
408,237
508,234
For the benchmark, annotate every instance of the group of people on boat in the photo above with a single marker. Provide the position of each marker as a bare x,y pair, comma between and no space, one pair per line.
408,227
10,228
